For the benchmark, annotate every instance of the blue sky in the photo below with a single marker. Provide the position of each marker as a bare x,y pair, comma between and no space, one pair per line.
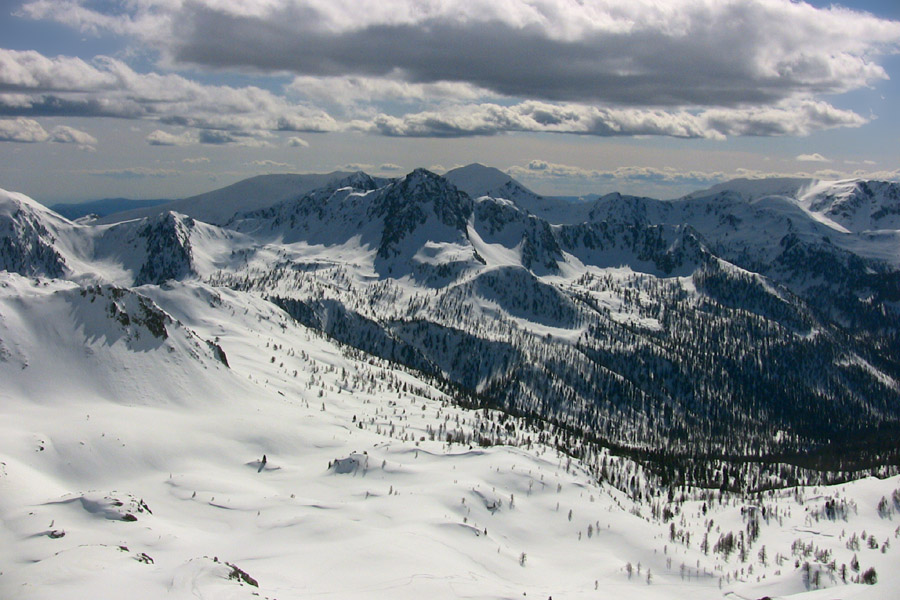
168,98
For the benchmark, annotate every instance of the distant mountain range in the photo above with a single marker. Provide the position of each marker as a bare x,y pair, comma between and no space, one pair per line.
758,318
102,208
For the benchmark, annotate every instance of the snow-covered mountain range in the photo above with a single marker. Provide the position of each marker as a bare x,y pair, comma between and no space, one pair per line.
611,386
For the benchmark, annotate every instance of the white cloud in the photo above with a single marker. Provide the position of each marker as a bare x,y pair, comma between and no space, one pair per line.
814,157
788,118
107,87
68,135
625,52
357,167
214,137
138,18
389,167
796,117
353,90
682,68
22,130
489,119
163,138
194,161
64,134
269,164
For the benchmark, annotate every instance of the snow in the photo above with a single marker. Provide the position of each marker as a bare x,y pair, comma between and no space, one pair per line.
494,254
130,462
90,433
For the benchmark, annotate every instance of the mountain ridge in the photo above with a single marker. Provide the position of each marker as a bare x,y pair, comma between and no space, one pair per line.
418,270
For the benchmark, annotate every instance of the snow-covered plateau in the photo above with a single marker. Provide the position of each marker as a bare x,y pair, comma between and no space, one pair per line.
453,388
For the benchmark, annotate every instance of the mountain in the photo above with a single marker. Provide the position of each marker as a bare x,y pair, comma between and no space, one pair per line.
102,208
758,308
857,206
30,240
218,206
134,425
551,312
478,180
655,399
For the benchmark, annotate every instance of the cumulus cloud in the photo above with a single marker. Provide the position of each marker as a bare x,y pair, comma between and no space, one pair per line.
404,68
389,167
491,118
814,157
626,52
357,167
788,118
211,137
269,164
163,138
227,115
22,130
352,90
68,135
36,85
29,131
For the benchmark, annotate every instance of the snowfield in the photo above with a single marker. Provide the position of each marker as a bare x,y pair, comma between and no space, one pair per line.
131,465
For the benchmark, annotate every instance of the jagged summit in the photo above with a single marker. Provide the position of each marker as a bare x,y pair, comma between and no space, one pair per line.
418,210
422,187
169,254
358,180
29,237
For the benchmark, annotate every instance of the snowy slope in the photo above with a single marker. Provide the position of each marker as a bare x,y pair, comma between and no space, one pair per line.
485,293
30,235
148,371
113,477
854,205
162,247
